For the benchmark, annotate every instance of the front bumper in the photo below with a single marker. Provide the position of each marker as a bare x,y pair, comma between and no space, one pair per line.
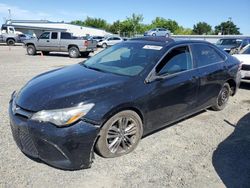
67,148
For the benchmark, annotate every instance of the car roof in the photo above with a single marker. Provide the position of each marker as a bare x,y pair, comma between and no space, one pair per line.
165,41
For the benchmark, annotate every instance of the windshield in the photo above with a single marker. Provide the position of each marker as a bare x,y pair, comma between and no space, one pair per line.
245,50
233,42
127,59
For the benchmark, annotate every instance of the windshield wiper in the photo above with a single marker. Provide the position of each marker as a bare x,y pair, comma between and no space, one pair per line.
93,68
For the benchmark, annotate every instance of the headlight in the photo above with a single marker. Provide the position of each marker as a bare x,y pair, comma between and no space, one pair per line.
63,117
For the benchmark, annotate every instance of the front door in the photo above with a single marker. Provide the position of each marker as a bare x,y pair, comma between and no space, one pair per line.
43,42
174,93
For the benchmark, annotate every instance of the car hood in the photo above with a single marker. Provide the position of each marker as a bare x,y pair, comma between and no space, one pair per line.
67,87
30,40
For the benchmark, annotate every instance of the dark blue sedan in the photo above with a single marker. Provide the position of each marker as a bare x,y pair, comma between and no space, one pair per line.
109,102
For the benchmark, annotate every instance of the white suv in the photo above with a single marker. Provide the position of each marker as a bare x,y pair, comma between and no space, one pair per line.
244,58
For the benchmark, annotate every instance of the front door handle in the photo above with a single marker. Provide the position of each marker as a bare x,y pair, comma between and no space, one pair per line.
47,40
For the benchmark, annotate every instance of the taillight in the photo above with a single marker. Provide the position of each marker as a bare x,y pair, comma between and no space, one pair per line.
86,43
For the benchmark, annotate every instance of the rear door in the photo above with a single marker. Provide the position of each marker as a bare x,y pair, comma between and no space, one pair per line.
210,65
54,41
64,41
43,42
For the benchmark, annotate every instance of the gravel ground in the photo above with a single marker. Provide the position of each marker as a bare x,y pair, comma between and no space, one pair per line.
211,149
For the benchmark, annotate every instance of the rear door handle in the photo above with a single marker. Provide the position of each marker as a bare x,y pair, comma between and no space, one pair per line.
47,40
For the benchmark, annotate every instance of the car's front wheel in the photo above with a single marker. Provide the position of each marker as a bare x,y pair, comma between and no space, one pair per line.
222,98
120,134
31,50
104,45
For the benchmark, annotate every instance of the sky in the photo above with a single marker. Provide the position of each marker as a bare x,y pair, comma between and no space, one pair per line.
186,13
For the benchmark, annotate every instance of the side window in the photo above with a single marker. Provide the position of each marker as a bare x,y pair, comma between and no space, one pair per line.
54,35
205,55
116,38
111,39
177,60
44,35
247,51
65,35
244,43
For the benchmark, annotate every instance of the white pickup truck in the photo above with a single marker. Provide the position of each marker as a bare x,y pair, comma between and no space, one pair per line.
57,41
8,35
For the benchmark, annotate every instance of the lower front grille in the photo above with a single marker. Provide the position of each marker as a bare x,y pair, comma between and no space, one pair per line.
28,145
24,142
245,67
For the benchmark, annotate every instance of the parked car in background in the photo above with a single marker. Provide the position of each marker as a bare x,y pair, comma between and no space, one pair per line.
109,102
55,41
109,41
8,35
232,45
244,57
158,32
96,38
23,37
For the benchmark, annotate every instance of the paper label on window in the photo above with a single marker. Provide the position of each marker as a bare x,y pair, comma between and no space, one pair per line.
152,47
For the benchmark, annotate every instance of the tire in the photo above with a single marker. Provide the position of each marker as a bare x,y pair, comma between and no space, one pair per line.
104,45
45,52
120,135
10,42
153,34
31,50
85,54
74,52
222,98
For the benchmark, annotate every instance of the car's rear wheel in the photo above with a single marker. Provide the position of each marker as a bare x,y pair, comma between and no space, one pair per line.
31,50
120,134
222,98
74,52
10,42
104,45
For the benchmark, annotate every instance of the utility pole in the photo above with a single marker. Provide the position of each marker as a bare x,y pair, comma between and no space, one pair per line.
9,13
230,21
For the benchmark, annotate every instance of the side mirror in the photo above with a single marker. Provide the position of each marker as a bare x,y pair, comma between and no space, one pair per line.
153,77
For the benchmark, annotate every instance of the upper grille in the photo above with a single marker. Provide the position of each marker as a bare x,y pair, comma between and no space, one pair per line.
245,67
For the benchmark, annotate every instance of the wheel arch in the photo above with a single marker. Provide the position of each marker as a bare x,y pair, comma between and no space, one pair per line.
116,110
10,38
232,85
72,45
27,44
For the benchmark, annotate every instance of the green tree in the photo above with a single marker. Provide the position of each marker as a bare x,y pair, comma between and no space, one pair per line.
183,31
129,27
169,24
95,22
77,22
227,28
115,27
202,28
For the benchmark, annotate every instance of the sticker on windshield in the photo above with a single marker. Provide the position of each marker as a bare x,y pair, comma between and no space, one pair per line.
152,47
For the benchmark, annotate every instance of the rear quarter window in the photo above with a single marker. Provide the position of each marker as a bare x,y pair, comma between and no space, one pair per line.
205,55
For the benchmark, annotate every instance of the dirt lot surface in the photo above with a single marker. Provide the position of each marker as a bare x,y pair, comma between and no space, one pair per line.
211,149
